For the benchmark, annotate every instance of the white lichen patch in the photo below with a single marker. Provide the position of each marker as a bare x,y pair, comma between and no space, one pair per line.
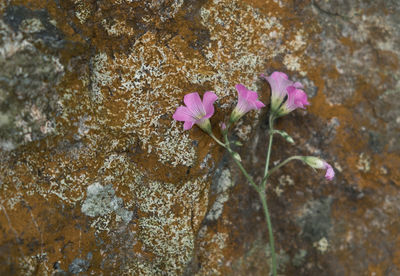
223,185
28,87
148,83
243,131
278,191
100,76
338,167
145,97
29,265
285,180
364,162
83,11
292,62
171,216
239,44
299,42
101,201
31,25
117,28
169,10
211,248
322,245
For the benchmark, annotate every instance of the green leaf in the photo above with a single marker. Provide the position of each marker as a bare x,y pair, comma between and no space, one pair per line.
284,134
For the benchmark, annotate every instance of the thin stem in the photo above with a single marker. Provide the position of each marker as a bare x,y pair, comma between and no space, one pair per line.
264,198
271,136
270,233
280,165
242,169
260,190
217,140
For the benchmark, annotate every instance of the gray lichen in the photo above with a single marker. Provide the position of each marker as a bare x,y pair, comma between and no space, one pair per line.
79,265
224,182
101,200
315,219
28,99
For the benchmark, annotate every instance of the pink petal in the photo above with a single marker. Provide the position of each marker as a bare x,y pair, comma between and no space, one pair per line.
208,102
298,85
259,104
188,125
247,99
182,113
242,91
252,96
296,98
279,82
279,75
194,104
301,99
330,173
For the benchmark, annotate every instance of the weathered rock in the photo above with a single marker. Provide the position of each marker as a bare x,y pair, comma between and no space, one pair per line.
97,178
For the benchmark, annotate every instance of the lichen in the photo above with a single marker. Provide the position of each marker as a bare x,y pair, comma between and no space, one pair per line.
31,25
364,162
321,245
170,217
299,258
315,219
101,200
223,185
212,247
28,98
150,77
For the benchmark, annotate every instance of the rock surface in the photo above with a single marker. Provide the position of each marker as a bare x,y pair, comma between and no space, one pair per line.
97,178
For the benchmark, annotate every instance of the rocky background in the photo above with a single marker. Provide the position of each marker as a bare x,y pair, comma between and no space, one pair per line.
96,178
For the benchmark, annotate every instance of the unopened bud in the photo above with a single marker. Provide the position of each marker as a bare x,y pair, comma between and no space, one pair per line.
238,143
237,156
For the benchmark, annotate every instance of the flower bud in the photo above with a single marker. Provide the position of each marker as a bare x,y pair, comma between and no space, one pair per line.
237,156
318,163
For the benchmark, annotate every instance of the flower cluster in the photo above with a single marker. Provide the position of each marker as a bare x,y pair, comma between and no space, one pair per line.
286,96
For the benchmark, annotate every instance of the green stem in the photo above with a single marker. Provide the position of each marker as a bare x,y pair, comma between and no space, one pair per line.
217,140
271,136
237,162
270,233
260,189
264,198
281,164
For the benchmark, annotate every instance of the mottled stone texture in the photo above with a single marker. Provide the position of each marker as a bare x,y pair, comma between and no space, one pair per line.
96,178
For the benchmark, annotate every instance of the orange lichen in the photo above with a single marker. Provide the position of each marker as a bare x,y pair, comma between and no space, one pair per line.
128,71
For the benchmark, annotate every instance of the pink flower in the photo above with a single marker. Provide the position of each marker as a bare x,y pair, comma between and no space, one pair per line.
279,83
196,111
318,163
296,99
247,100
330,173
